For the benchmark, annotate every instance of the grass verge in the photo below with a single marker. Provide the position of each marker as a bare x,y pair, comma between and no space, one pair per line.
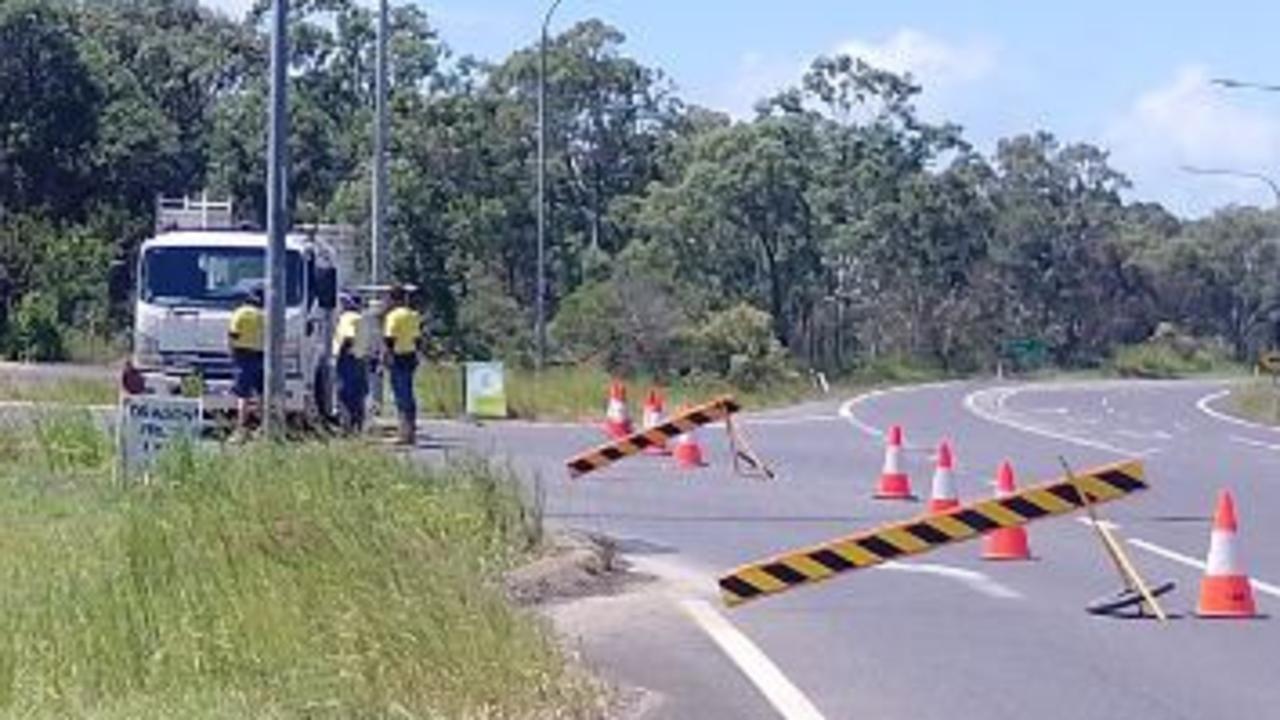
1257,400
578,393
66,391
267,582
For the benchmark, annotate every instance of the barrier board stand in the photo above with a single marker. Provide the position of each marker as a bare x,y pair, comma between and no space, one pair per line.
1136,592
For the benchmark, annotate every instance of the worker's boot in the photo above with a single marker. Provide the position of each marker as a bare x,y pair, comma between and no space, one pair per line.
405,434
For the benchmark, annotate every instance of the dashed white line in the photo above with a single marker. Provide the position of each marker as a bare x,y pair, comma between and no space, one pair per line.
1254,443
1166,553
781,693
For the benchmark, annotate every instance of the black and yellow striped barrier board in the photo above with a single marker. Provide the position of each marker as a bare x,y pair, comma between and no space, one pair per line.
677,424
925,533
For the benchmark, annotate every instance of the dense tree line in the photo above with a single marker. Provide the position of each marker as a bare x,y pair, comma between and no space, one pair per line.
833,228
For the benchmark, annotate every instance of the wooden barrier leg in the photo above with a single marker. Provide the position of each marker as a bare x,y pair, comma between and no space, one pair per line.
1115,551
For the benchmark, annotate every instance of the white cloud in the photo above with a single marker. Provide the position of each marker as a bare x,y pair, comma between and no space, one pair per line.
939,66
936,64
1190,122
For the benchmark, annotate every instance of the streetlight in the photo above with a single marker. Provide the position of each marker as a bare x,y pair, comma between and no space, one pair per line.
378,259
1275,188
540,322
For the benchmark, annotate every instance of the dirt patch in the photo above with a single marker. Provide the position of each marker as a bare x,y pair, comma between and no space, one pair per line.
575,565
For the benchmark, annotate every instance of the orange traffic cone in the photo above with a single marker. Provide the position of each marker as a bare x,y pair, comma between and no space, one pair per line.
688,453
617,420
1006,543
1225,591
652,418
894,482
944,496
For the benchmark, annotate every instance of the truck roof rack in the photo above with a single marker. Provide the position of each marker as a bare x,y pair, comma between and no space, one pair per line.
187,213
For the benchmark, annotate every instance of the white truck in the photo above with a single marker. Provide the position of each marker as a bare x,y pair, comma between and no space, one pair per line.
193,274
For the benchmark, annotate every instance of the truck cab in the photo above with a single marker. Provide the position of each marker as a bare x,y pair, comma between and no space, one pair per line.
190,281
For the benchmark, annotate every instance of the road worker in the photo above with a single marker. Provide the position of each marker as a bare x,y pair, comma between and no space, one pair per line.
349,352
244,337
401,331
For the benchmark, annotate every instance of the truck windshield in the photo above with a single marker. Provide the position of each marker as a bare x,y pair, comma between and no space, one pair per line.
217,276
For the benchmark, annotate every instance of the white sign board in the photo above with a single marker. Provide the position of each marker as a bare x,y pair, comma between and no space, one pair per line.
486,390
150,423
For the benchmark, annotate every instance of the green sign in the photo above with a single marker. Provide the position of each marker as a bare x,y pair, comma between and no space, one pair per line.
485,389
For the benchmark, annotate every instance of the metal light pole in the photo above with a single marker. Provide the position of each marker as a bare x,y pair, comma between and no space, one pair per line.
378,253
1275,188
540,322
277,223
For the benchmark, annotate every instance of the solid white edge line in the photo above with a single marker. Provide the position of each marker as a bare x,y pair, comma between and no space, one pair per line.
1002,393
1260,586
846,409
1205,405
784,696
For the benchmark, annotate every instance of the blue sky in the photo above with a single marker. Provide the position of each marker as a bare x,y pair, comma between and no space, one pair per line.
1131,76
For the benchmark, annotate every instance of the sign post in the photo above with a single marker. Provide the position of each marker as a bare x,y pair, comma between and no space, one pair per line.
150,424
484,385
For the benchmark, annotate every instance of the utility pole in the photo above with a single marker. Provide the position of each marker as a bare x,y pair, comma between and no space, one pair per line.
378,259
540,321
277,223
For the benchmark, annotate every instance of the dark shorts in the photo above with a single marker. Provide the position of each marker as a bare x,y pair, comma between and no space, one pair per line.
248,374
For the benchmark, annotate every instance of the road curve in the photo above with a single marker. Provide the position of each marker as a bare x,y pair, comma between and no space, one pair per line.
947,635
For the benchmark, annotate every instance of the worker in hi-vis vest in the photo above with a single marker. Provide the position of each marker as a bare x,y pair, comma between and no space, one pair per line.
401,331
245,336
349,351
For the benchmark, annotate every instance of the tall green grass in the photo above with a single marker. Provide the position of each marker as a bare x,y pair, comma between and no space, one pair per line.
265,582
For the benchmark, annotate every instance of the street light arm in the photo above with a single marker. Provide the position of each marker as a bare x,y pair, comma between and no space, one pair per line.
546,20
1275,187
1244,85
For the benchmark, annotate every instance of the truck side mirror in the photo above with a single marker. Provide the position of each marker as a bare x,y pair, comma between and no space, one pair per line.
327,287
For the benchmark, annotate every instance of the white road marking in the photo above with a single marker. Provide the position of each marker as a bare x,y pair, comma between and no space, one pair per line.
974,402
1205,405
1260,586
846,410
1254,443
784,696
974,579
1145,435
1107,524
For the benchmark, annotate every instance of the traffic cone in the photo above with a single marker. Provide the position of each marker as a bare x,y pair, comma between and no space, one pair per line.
944,496
1225,591
688,453
894,482
1006,543
652,418
617,420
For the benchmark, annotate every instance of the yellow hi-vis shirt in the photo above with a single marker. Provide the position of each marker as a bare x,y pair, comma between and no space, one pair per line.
403,327
246,328
349,330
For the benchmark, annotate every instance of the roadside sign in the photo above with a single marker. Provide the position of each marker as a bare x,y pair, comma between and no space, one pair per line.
149,424
485,387
1270,361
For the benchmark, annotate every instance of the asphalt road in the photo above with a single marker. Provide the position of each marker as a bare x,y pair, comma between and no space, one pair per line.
945,635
